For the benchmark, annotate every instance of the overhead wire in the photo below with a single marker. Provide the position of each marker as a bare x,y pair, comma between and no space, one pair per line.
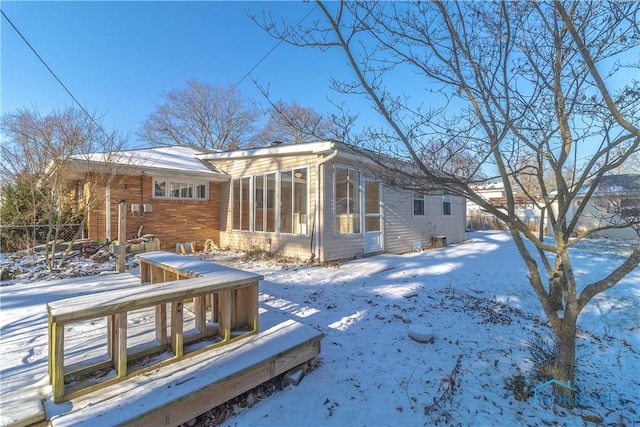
248,73
84,110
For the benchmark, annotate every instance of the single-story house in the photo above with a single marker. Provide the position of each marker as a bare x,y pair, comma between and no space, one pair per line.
321,200
614,206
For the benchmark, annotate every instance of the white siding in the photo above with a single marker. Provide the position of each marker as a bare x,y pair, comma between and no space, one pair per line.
402,229
593,217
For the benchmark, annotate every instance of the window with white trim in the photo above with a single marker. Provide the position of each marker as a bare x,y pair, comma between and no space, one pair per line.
184,190
241,204
282,211
418,204
347,201
446,204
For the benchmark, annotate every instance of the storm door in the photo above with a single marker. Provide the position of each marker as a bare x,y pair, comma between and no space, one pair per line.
373,240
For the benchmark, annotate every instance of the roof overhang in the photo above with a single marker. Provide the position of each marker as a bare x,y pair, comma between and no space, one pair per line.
318,147
77,170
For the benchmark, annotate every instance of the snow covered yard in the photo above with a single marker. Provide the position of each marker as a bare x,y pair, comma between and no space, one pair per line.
473,296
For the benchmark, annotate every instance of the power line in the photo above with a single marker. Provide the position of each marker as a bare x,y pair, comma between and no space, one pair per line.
274,47
54,75
84,109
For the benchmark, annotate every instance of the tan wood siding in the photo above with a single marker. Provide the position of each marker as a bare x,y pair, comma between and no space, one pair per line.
402,228
292,245
336,246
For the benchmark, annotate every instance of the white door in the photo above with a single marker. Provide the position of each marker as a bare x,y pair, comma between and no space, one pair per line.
373,224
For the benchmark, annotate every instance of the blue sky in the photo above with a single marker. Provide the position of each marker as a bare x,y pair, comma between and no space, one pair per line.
117,58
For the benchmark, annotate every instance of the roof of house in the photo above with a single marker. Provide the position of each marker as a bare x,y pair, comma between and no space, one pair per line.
615,184
169,161
317,147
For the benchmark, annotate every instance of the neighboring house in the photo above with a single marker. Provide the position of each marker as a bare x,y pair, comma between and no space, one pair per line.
320,200
615,203
479,219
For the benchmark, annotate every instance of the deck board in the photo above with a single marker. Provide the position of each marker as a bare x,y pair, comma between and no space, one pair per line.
24,388
178,392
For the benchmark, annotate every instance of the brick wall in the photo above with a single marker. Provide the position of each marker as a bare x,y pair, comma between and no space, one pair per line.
172,221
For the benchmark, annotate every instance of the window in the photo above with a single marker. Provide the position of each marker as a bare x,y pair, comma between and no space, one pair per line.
160,189
240,218
286,202
80,191
292,203
201,191
418,204
300,201
446,204
270,224
235,220
167,189
245,184
347,201
258,203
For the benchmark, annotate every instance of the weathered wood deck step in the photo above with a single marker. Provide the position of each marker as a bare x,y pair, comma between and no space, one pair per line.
23,408
176,393
236,292
24,388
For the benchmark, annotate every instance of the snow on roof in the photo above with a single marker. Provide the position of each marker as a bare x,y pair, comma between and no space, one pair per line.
158,161
615,184
273,150
488,186
174,157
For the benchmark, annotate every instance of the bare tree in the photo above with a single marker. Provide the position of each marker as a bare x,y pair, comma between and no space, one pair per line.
452,156
292,123
524,85
35,157
201,116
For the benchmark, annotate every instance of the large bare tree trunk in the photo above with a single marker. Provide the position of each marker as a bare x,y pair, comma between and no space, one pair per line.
565,357
557,282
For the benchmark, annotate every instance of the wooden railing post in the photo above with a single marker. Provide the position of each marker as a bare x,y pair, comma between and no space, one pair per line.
120,343
177,325
57,360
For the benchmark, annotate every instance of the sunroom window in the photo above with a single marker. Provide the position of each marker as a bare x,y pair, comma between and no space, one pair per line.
290,201
347,201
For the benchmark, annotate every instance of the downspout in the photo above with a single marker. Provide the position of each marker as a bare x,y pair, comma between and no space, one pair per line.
108,206
141,202
316,224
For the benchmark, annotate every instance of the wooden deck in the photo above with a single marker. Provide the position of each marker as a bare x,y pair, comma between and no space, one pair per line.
169,395
183,390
